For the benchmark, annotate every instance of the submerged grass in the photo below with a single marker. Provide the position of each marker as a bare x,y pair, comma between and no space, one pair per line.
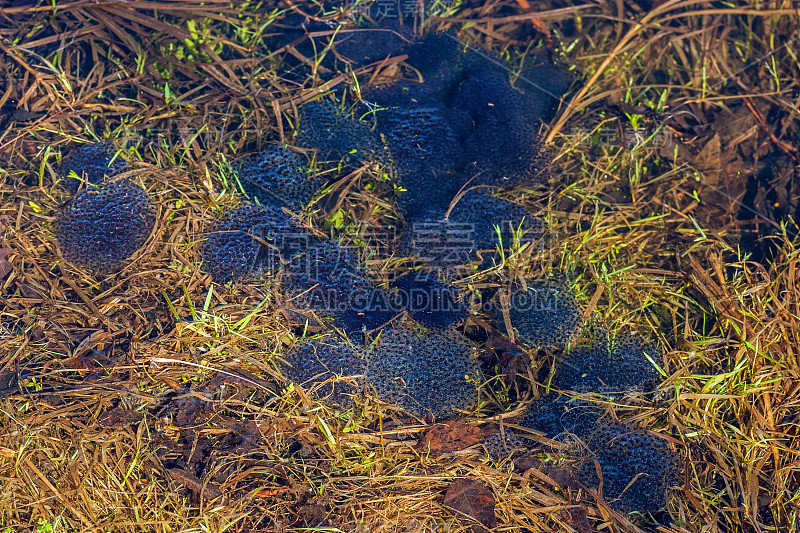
114,389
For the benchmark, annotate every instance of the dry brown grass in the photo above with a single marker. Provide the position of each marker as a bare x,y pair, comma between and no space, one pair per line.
105,365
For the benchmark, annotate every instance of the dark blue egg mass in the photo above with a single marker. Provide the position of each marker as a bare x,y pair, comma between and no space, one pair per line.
251,241
275,176
546,315
431,302
101,227
337,136
326,361
92,163
428,373
610,366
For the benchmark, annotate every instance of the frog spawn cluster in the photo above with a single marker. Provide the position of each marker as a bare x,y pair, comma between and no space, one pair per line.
250,241
107,220
276,176
89,165
636,467
330,367
440,135
470,233
103,227
452,129
545,314
429,373
440,152
110,218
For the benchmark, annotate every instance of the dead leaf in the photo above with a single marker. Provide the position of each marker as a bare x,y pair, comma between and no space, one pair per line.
313,515
5,266
709,161
469,498
29,292
120,417
209,491
171,383
271,493
88,360
451,437
8,383
580,521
